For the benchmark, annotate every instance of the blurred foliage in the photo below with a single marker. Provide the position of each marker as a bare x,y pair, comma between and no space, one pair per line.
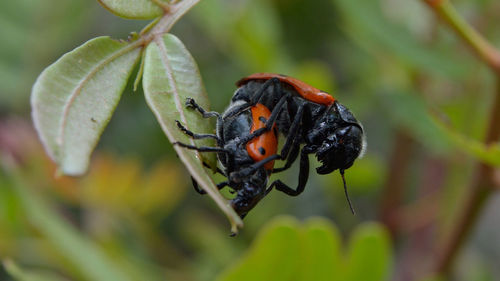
134,215
285,250
29,275
23,25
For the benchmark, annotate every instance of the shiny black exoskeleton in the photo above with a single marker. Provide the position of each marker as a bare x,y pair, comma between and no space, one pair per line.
246,173
326,129
330,131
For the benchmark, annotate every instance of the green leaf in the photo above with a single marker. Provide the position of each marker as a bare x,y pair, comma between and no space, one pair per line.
273,256
409,111
170,77
250,36
288,251
365,23
20,66
489,154
322,258
91,262
133,9
22,274
73,99
369,254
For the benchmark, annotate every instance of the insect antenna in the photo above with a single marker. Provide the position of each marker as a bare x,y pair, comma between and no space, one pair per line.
346,193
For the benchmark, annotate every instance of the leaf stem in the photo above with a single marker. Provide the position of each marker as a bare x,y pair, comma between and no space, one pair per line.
148,27
138,76
482,184
167,21
165,6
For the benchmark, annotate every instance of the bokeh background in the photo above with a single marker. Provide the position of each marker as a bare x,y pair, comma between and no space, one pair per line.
422,96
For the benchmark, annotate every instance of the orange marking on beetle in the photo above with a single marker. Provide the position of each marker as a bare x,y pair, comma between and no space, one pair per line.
267,142
307,91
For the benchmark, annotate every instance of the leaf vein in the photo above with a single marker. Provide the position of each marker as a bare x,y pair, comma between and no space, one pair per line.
77,91
171,80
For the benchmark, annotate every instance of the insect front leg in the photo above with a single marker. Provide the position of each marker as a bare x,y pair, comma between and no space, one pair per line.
303,177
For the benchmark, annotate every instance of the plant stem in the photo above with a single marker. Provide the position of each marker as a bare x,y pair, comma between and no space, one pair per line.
392,194
168,20
480,190
163,25
482,185
445,10
164,5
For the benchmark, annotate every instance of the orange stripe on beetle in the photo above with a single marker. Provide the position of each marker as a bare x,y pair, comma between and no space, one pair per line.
266,144
307,91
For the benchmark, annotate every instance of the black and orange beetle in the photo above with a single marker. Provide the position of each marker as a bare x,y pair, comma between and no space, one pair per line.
247,132
247,157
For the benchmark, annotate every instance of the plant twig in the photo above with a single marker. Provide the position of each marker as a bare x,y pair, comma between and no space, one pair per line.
164,5
482,184
175,12
392,194
445,10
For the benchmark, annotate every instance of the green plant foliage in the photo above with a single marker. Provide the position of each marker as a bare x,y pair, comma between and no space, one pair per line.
489,154
23,274
409,111
369,254
73,99
365,176
86,257
287,250
133,9
251,35
399,70
365,20
273,256
322,251
170,77
40,21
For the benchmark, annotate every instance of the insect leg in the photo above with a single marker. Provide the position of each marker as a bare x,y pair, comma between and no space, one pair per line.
269,122
291,148
217,171
197,187
294,152
201,148
236,176
293,133
303,176
273,81
201,191
194,135
190,102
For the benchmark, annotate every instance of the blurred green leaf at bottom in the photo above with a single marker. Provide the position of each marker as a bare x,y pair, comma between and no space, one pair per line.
22,274
288,250
91,262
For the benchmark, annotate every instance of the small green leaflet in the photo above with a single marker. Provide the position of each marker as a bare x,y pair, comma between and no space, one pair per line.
287,250
133,9
73,99
170,76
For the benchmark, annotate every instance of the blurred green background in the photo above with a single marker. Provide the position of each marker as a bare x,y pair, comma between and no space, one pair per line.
422,97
